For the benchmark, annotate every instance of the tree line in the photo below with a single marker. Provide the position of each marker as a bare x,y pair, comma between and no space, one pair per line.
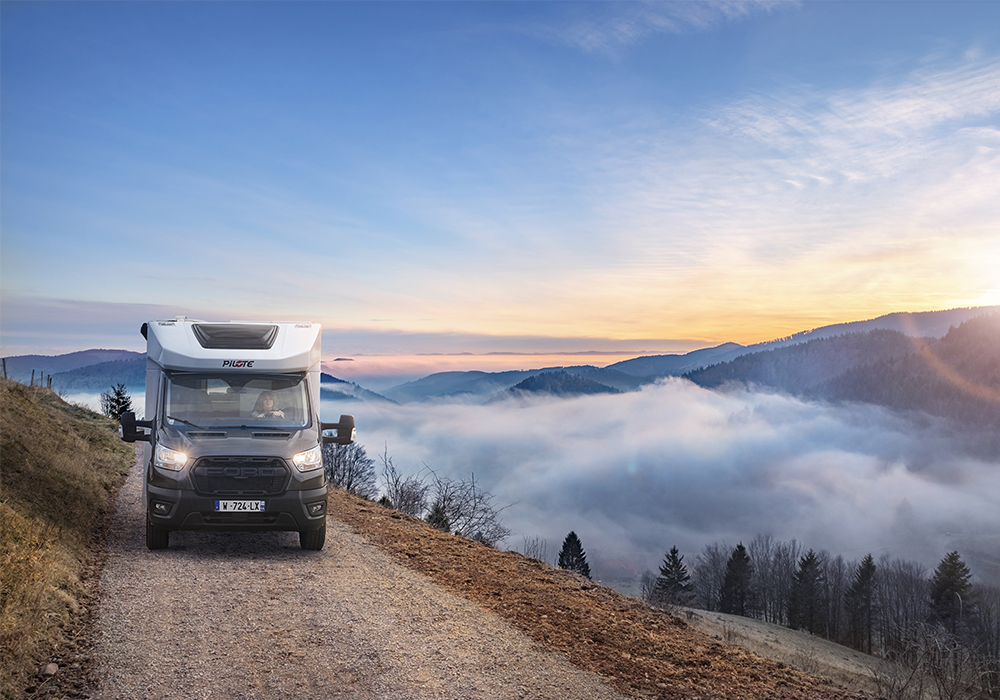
938,629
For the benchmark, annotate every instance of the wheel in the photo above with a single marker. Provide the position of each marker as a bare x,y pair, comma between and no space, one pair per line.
156,537
313,539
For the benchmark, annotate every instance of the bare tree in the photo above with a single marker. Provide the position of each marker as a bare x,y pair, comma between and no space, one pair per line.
761,551
407,494
647,584
838,578
902,601
536,548
470,510
350,468
708,574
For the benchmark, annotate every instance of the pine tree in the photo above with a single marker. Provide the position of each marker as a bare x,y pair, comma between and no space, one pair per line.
806,605
859,600
116,402
735,597
950,589
572,557
438,516
673,585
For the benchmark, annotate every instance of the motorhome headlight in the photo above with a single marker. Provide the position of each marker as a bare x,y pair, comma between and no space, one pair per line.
308,460
169,459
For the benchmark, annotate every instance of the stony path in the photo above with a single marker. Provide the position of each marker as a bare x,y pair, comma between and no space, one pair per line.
251,615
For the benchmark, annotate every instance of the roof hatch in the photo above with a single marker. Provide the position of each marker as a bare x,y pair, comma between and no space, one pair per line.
235,336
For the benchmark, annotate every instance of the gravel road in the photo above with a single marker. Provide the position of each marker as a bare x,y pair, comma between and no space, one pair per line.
251,615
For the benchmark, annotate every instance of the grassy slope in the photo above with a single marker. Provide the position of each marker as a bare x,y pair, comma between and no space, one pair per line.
60,468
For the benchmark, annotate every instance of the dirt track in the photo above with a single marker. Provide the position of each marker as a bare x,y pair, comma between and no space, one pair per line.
253,616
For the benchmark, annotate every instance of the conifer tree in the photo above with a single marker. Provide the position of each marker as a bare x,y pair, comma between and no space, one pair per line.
116,402
735,596
859,600
950,589
806,605
438,516
673,585
572,557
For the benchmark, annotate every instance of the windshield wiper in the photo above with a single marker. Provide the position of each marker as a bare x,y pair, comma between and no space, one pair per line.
186,422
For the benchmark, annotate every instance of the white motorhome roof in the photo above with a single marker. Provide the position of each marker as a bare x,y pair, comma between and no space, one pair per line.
183,343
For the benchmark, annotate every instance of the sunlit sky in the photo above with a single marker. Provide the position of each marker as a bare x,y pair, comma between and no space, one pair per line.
477,177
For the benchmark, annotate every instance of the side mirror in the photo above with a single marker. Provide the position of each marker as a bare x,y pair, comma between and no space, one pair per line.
346,431
129,430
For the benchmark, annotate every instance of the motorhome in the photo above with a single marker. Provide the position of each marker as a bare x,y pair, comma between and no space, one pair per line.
232,429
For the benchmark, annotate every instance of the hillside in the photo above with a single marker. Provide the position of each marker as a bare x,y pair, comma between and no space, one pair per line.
20,367
557,383
956,377
102,376
60,468
641,651
797,369
334,389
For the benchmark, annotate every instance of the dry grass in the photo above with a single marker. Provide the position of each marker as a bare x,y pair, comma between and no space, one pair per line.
798,650
60,466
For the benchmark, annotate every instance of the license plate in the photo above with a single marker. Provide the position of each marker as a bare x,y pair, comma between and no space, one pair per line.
239,506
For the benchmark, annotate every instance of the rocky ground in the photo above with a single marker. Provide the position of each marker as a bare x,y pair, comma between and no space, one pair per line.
642,652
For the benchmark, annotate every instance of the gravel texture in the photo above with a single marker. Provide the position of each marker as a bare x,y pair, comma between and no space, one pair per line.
251,615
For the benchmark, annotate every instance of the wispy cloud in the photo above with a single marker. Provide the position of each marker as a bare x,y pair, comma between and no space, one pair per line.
875,132
609,28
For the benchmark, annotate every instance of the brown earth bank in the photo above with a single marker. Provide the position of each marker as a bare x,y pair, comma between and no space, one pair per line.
641,651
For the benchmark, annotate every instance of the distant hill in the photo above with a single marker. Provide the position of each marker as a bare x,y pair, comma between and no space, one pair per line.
102,376
799,368
456,385
926,324
19,367
334,389
653,366
957,376
482,386
557,383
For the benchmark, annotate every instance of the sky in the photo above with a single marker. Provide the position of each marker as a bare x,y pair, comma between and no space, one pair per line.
479,177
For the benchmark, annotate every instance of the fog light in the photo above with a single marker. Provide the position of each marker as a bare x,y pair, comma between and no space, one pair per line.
316,508
161,508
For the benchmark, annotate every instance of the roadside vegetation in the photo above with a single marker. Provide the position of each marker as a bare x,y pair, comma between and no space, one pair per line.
60,468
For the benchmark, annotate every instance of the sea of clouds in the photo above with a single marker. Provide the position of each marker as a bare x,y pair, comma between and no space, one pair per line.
674,464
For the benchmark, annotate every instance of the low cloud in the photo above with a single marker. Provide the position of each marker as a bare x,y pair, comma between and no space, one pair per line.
637,473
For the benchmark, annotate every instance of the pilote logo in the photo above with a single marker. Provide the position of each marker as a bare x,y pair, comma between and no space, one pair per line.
237,363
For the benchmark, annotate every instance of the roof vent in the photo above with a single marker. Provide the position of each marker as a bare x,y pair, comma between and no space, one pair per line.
235,336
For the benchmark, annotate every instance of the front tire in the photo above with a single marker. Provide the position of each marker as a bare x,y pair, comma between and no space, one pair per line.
157,537
313,539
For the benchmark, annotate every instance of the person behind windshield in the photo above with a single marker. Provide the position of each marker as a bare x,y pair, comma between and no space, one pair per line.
267,406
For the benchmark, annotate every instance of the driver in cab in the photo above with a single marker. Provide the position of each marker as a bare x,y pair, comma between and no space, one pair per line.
267,406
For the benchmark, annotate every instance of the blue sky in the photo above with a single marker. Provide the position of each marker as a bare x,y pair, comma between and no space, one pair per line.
475,177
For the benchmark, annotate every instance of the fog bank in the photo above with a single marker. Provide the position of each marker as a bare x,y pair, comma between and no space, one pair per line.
674,464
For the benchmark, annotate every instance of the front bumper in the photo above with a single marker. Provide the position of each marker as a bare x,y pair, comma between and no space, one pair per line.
183,509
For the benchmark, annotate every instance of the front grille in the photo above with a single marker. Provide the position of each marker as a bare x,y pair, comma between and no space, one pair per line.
240,476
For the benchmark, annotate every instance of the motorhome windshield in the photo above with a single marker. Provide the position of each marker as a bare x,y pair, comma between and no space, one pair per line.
201,401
